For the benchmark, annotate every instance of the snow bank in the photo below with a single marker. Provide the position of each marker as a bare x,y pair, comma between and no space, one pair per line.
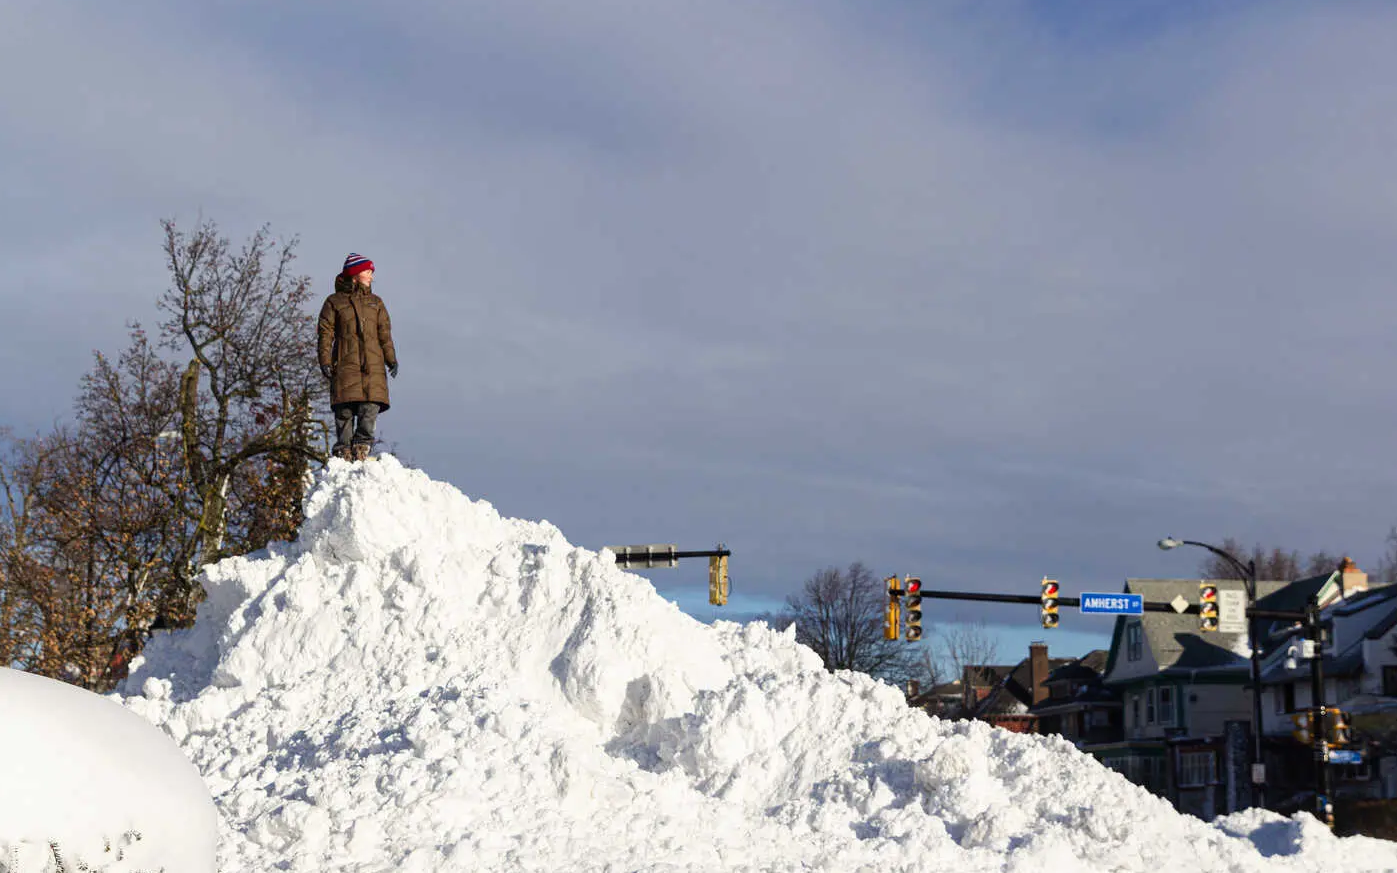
419,684
88,783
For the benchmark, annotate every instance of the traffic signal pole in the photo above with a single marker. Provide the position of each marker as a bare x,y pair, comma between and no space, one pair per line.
1324,808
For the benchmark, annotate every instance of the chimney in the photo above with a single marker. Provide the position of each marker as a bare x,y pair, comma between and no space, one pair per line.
1351,579
913,688
1038,670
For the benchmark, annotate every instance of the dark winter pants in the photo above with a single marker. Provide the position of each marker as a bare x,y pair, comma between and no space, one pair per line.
347,431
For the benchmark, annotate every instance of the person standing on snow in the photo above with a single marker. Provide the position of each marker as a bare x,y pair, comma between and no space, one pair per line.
356,345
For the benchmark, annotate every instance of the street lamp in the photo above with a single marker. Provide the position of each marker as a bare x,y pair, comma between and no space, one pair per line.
1247,573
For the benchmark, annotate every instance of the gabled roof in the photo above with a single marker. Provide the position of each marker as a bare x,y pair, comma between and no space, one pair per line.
1086,668
987,674
1369,615
1015,692
1174,639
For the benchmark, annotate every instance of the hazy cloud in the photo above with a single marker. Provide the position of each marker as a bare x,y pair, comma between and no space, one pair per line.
978,293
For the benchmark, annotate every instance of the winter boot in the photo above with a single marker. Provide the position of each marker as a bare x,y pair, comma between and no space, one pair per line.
361,451
343,452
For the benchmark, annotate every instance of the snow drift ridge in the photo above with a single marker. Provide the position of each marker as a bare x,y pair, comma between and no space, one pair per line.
419,684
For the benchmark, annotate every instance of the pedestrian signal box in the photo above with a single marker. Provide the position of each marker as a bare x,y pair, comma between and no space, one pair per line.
893,617
718,579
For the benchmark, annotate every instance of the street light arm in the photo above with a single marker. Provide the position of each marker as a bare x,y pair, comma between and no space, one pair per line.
1245,572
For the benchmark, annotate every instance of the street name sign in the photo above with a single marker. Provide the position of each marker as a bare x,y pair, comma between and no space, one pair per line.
1113,604
1345,756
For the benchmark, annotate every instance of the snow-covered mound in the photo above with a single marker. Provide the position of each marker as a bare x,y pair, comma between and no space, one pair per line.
89,785
419,684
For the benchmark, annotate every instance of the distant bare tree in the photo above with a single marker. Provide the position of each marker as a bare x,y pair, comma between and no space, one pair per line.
1274,563
839,614
1386,571
955,645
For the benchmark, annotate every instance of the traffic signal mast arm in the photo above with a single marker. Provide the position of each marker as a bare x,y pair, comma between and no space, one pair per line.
1191,609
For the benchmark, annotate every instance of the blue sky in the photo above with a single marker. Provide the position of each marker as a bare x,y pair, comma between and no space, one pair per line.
968,290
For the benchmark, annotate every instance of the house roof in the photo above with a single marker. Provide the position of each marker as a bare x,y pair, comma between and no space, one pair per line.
1085,668
1174,639
1084,675
987,674
1015,693
1369,615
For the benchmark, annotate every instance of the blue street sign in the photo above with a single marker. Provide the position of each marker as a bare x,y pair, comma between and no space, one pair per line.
1113,604
1345,756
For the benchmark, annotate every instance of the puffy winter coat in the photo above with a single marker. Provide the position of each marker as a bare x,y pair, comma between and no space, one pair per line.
356,340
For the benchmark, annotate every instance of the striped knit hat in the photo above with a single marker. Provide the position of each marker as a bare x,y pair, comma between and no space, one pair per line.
356,264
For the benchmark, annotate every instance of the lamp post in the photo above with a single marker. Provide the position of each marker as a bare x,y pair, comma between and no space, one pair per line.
1247,573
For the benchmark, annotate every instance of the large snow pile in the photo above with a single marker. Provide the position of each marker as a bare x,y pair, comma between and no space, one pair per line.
92,786
419,684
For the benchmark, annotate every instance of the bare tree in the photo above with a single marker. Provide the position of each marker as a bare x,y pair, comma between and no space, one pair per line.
247,392
1274,563
955,645
105,524
839,614
1386,571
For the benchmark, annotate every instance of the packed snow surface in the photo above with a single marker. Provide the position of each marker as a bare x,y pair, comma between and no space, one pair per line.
89,784
418,684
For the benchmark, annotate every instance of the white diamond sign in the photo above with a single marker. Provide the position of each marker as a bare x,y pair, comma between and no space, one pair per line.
1179,604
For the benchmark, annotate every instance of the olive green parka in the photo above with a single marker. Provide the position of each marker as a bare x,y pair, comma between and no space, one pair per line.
356,341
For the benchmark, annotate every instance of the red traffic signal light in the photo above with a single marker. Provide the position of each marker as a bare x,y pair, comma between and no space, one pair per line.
1048,604
1207,606
914,609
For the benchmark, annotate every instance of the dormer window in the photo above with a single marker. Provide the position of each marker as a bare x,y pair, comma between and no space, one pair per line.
1134,642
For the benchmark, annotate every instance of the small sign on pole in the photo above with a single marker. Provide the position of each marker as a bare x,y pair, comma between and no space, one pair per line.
1345,756
1232,611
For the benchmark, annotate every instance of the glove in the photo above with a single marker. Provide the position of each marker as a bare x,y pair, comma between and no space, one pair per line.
327,372
393,369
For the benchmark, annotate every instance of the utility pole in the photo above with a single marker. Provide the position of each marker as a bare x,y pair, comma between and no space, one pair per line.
1324,807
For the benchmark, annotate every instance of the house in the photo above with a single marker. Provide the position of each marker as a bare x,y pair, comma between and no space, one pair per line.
1359,668
1079,705
978,681
946,700
1186,700
1009,704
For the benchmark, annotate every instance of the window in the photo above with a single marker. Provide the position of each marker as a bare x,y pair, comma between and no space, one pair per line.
1149,706
1197,768
1166,706
1135,710
1288,696
1134,646
1389,681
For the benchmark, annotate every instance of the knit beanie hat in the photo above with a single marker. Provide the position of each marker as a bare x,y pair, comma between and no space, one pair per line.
356,264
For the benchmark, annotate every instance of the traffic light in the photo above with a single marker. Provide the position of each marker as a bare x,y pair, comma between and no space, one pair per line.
718,579
1303,732
914,609
892,619
1207,606
1340,727
1048,607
